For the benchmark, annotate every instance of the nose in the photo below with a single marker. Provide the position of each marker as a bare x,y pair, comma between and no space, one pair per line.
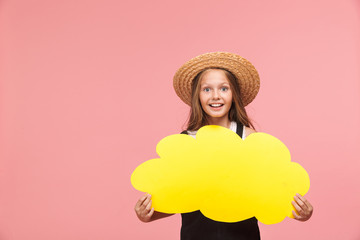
216,95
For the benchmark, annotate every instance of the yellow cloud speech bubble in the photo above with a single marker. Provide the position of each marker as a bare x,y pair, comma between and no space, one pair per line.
228,179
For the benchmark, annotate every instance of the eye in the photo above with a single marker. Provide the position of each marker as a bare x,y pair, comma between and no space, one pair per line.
224,89
206,89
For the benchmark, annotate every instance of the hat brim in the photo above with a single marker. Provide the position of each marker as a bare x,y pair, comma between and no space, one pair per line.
246,74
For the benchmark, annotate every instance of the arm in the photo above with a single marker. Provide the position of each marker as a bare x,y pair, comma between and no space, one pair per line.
144,211
303,208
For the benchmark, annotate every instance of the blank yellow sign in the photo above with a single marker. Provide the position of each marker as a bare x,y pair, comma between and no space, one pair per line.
228,179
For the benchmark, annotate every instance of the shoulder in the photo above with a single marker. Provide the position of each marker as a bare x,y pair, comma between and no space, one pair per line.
249,131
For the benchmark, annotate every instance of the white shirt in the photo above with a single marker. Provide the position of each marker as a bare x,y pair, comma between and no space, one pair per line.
232,127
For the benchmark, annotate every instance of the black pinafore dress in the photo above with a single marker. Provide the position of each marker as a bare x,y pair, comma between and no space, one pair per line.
195,226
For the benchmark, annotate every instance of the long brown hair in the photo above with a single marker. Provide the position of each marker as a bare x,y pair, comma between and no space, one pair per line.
237,112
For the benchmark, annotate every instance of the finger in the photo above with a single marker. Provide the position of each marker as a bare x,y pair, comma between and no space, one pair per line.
147,200
307,207
298,209
145,203
308,204
140,202
303,200
296,216
300,203
148,206
150,213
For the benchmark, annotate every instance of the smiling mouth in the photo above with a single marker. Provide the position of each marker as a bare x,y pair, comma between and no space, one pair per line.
216,105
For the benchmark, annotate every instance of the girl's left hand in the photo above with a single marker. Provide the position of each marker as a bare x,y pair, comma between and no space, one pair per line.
303,208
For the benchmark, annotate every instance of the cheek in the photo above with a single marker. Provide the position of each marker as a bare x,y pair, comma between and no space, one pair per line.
228,97
203,98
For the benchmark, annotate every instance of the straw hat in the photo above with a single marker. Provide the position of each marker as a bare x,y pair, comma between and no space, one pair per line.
242,69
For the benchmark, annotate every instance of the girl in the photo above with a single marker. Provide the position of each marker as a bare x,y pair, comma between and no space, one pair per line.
217,86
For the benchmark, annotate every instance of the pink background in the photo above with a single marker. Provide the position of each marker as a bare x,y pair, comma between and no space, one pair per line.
86,94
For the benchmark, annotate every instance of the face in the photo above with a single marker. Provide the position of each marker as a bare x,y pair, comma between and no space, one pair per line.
215,94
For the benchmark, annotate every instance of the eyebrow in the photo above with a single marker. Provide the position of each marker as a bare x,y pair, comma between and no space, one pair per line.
223,83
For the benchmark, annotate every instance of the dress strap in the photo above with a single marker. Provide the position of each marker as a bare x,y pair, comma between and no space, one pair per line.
239,130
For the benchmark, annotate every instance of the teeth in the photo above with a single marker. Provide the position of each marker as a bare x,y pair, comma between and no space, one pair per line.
216,105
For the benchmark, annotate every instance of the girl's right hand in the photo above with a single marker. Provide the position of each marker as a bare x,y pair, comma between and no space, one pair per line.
143,208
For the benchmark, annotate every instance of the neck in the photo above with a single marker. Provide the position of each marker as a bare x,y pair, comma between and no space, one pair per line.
224,122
